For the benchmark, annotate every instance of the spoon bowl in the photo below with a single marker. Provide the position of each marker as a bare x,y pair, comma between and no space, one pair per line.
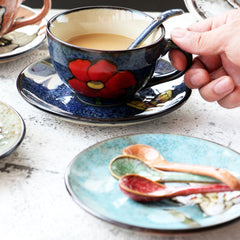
147,154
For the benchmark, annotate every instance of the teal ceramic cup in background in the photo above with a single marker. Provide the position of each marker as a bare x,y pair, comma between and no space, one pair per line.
108,77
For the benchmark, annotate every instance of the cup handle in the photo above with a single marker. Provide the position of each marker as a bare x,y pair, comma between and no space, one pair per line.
45,9
160,77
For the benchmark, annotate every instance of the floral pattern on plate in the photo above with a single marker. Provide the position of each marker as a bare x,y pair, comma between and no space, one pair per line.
40,85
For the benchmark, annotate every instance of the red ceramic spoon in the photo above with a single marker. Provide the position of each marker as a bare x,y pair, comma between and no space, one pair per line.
142,189
153,158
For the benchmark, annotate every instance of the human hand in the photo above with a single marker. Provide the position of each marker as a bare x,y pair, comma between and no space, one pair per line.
216,69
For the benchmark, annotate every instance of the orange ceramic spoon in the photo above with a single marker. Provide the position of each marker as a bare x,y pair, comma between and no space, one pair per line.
153,158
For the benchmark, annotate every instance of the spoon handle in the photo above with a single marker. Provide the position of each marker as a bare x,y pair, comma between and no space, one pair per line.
218,173
157,22
168,176
145,33
209,188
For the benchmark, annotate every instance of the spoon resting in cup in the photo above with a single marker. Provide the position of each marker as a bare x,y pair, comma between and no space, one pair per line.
156,23
154,159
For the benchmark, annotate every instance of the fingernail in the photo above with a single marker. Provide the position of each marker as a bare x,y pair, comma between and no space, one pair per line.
223,86
179,32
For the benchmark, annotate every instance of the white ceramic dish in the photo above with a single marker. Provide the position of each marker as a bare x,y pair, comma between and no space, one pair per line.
210,8
12,129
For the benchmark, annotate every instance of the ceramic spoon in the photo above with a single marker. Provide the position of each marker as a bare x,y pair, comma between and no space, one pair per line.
126,164
234,3
156,23
142,189
153,158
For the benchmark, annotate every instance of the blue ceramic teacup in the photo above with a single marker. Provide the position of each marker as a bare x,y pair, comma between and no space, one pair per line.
107,77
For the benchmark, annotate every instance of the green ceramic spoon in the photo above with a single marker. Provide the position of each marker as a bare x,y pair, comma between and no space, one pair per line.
126,164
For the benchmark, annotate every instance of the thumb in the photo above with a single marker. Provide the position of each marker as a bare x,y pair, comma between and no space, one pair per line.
199,43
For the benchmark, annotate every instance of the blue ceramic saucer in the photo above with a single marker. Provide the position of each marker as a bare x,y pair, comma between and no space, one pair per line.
40,85
92,187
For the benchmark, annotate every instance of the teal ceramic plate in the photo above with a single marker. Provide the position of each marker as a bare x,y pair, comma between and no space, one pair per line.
91,185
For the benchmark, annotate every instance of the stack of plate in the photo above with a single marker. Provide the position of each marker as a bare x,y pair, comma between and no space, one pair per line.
210,8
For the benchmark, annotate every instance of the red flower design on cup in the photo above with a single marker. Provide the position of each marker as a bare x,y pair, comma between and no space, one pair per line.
100,79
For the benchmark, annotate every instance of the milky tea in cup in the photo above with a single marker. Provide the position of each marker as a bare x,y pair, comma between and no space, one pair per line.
101,41
8,13
88,49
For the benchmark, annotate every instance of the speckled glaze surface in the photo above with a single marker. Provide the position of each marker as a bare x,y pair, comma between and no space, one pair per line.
12,129
210,8
40,85
24,39
91,185
107,77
